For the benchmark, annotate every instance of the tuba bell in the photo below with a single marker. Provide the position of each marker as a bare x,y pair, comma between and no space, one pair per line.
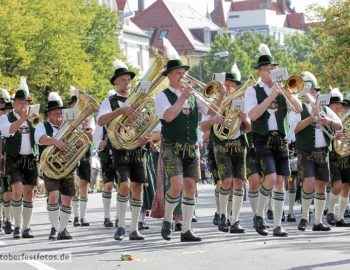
124,132
232,122
57,164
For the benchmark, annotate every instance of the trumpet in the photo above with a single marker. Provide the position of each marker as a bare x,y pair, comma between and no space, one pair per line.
293,85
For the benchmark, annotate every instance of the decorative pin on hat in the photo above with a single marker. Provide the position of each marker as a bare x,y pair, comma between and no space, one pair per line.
265,57
234,75
310,78
54,102
23,91
336,96
120,69
174,58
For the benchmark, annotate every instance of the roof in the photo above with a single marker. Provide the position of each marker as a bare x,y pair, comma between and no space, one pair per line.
132,28
178,19
295,21
280,6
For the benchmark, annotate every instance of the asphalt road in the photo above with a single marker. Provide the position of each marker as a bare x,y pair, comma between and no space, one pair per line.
94,247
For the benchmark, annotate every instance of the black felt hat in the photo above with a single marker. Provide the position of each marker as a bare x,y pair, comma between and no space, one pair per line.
174,64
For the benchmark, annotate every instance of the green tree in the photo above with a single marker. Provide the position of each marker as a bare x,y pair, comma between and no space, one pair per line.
57,44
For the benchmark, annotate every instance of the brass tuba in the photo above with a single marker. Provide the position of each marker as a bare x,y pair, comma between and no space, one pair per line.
57,164
342,146
124,132
232,122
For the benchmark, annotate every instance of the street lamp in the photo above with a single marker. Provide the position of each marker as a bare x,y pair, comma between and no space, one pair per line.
220,54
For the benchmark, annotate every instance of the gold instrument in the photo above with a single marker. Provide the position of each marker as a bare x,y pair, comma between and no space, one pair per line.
124,132
293,85
57,164
232,122
203,92
312,101
342,146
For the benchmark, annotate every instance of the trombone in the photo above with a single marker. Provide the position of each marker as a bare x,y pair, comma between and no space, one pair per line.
293,85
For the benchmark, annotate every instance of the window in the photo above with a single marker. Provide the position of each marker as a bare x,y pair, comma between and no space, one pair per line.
163,34
233,16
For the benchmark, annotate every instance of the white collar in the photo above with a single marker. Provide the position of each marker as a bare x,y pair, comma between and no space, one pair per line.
175,91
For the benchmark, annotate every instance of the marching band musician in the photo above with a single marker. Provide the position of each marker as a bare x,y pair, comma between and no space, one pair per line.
83,171
313,152
6,107
267,109
21,163
230,156
109,176
339,169
63,188
178,111
128,164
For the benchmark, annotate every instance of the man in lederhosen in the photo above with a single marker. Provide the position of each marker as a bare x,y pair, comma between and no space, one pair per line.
178,110
64,188
128,164
339,169
267,109
21,160
6,107
313,148
83,171
230,158
109,176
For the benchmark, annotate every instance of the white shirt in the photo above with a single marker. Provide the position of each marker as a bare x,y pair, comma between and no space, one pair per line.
41,131
162,103
98,136
26,148
106,107
320,140
251,101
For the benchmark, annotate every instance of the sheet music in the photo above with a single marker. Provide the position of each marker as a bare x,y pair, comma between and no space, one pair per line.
69,114
33,109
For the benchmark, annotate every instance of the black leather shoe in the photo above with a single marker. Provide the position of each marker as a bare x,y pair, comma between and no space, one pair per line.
283,217
291,218
347,213
142,226
27,233
216,219
260,226
303,224
178,227
76,222
136,235
119,234
279,231
84,223
269,214
8,227
342,223
190,236
223,224
53,234
108,223
64,235
321,227
166,230
331,219
17,233
236,228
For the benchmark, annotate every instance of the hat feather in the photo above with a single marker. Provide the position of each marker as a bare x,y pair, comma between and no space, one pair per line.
264,49
54,96
335,92
73,91
235,70
308,76
117,63
111,92
170,51
5,94
23,84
